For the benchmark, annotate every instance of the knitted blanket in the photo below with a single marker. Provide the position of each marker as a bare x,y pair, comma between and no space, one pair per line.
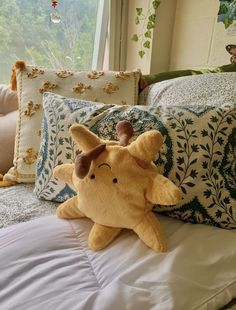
19,204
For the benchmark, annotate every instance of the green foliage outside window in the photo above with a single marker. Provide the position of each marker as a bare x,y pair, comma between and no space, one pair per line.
28,34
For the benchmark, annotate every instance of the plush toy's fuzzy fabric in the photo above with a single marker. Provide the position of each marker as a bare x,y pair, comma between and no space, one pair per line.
117,186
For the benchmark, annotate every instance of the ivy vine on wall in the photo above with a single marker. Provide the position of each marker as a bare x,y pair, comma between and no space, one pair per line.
227,12
148,20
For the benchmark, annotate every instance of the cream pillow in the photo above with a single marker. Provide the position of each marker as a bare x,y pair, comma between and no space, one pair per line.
7,137
8,120
102,86
8,99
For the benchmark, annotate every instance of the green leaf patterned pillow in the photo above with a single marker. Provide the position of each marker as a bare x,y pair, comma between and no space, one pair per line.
163,76
198,154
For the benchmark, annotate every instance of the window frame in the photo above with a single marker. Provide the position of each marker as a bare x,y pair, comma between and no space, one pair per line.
100,35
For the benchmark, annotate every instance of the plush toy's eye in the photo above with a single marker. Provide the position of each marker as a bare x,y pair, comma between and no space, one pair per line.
92,176
115,180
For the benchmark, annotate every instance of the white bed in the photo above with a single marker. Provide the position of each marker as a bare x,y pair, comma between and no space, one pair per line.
46,264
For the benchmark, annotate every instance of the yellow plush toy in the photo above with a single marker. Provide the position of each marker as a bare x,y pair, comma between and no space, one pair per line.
117,185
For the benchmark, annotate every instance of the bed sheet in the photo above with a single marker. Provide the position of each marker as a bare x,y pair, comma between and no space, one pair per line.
46,264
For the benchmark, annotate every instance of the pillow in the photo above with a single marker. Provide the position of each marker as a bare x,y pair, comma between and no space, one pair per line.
198,153
199,89
162,76
7,138
8,120
8,99
117,87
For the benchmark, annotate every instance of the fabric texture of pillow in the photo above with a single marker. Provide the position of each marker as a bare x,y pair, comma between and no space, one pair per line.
32,82
198,153
8,120
7,138
162,76
199,89
8,99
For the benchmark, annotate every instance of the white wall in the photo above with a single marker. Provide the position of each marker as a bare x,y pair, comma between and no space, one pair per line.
162,36
187,35
133,60
198,39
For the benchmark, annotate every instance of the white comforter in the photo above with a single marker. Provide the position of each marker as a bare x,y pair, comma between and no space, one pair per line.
45,264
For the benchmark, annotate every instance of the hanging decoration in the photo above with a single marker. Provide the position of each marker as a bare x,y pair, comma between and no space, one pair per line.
55,16
54,3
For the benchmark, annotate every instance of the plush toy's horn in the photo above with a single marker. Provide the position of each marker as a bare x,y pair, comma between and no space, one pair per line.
124,132
146,146
85,139
83,161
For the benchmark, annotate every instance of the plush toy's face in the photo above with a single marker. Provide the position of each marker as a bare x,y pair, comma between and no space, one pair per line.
115,180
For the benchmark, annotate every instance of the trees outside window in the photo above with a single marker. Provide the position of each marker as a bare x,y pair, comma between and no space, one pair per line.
28,34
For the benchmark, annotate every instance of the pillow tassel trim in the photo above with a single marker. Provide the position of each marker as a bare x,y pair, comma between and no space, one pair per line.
20,64
5,183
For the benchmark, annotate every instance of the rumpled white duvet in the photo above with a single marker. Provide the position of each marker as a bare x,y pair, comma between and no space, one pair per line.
45,264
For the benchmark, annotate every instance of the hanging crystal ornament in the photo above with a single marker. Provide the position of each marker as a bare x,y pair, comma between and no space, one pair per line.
55,16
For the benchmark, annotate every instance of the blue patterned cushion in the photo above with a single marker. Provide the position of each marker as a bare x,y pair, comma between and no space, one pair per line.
198,154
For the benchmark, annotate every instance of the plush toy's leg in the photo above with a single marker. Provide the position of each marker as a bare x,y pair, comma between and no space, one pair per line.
69,209
100,236
149,231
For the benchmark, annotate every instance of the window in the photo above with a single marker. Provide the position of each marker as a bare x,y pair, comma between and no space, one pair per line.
27,33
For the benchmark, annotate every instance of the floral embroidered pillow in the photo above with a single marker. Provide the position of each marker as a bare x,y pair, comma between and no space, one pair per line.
101,86
198,153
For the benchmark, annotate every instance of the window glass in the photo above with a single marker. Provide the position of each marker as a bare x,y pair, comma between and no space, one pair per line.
27,33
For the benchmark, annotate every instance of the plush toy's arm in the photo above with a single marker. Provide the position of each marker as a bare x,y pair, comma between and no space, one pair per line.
68,209
64,172
163,192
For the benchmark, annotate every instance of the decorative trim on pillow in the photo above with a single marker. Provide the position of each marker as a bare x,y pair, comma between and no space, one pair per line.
5,183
